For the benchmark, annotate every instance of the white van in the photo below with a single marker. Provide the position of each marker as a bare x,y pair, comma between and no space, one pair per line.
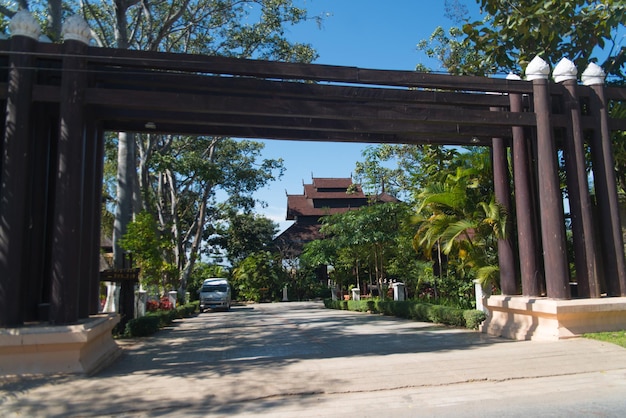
215,294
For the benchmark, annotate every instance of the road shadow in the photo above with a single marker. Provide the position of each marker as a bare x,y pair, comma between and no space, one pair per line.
227,343
248,353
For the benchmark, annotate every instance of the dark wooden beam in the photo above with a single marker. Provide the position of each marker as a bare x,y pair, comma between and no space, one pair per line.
296,71
182,82
141,117
200,103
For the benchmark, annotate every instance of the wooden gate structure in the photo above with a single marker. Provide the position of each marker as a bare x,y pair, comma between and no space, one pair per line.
61,98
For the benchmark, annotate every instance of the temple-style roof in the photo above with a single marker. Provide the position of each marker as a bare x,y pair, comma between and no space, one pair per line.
291,241
324,196
301,205
332,182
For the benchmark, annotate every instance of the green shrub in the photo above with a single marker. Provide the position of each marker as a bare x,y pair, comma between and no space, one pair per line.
187,310
153,321
142,327
473,318
412,309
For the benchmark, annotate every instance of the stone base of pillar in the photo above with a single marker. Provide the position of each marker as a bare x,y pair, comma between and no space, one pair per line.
83,348
529,318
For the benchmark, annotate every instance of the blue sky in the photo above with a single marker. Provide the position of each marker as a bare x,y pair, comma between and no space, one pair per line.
362,33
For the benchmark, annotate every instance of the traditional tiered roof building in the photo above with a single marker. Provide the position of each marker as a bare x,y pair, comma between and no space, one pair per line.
324,196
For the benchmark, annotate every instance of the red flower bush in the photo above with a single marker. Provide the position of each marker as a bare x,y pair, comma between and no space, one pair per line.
152,306
165,304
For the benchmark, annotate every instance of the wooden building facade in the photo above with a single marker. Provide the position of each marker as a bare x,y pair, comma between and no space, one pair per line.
322,197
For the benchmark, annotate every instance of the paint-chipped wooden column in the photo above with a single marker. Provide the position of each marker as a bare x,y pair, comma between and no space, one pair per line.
606,186
15,174
530,270
67,235
550,197
578,187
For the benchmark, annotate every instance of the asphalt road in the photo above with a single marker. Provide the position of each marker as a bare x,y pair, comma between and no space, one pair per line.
299,359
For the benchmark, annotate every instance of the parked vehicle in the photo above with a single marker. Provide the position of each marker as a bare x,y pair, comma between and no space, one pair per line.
215,294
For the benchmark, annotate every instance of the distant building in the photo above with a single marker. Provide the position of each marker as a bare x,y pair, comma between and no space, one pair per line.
324,196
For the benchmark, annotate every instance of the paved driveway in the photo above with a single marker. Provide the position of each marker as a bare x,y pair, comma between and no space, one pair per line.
299,359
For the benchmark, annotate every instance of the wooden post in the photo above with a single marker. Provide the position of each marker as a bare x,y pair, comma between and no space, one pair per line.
550,197
90,236
530,270
97,136
578,187
502,189
606,187
67,235
14,178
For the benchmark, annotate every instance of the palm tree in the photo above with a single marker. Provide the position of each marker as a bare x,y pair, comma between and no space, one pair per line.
458,217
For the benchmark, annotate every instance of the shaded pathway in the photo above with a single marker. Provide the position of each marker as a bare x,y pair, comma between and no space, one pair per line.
268,357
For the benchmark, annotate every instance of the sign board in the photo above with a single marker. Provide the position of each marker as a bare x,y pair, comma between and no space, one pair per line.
119,275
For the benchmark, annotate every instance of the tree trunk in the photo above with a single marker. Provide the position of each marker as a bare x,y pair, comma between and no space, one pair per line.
125,182
55,13
125,157
199,227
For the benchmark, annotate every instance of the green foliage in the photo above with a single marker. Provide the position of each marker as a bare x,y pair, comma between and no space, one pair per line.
244,234
454,219
302,281
473,318
413,310
448,47
415,166
186,310
142,326
246,29
149,247
149,324
514,32
259,277
360,242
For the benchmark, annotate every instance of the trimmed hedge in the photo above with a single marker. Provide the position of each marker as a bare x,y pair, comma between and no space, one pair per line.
153,321
409,309
142,326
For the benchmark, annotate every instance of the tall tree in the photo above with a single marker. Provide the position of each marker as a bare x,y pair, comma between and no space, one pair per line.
363,238
188,179
190,26
458,217
514,31
403,169
244,234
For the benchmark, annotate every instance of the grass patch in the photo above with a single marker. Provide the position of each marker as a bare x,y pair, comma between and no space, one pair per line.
615,337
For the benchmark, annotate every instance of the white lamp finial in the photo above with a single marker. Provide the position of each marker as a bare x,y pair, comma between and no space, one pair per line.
76,28
593,75
537,69
24,24
513,76
564,70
